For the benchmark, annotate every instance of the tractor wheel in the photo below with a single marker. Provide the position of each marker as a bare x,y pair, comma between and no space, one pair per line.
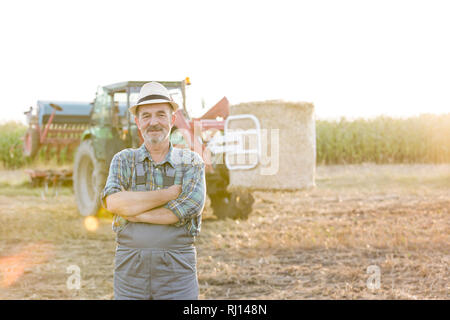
31,143
220,205
242,202
89,178
234,205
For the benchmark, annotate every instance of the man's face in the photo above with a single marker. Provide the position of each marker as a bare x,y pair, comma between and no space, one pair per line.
155,122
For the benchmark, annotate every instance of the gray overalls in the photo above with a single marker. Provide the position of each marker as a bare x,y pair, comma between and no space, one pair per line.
154,261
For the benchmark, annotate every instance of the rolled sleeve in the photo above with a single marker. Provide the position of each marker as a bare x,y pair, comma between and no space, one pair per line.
191,201
118,178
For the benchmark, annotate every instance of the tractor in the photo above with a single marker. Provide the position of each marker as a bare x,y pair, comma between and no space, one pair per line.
112,128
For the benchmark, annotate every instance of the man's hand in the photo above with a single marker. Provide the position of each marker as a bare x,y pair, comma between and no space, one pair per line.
155,216
161,216
132,219
131,203
174,191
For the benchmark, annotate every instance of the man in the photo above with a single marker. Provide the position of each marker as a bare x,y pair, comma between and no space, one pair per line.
157,193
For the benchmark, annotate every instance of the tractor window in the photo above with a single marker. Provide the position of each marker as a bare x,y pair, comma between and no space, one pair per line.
103,102
134,98
121,97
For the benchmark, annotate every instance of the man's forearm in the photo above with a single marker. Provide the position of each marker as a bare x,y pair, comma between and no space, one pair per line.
155,216
131,203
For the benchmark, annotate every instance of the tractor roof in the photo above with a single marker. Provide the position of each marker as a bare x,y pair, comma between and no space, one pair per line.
122,86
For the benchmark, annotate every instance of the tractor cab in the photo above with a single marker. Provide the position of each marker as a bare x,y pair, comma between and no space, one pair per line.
112,127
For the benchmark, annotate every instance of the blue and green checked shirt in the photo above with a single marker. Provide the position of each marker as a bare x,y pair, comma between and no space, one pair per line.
189,172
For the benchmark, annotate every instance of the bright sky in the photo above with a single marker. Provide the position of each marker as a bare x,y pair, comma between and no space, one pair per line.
350,58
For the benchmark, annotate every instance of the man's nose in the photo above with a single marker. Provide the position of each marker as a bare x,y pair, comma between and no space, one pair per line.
153,121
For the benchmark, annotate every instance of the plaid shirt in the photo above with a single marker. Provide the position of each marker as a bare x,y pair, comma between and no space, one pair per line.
189,172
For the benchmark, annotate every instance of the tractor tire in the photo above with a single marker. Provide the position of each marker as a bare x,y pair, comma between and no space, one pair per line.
89,177
242,204
31,143
220,204
233,205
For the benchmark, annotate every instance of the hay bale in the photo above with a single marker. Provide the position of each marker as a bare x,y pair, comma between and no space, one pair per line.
288,146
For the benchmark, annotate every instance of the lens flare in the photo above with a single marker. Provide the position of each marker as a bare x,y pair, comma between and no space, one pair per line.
13,267
91,223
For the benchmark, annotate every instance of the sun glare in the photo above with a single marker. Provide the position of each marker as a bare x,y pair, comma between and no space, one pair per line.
13,267
91,223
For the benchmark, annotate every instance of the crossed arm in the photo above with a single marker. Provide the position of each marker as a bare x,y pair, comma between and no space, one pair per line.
174,205
142,206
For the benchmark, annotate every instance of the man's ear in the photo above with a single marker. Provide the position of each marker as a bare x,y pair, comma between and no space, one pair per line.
174,117
137,122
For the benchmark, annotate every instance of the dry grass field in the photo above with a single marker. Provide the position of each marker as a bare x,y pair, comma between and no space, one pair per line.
315,244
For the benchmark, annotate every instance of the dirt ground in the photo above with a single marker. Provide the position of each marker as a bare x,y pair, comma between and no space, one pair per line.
365,232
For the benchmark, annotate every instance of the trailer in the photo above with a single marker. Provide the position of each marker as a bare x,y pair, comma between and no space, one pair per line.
55,124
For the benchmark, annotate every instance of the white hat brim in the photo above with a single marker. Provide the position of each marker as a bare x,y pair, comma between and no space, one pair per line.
174,105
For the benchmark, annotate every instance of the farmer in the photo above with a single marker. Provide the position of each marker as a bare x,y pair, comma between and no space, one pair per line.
157,193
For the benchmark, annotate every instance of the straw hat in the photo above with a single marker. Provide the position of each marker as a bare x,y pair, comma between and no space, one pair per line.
151,93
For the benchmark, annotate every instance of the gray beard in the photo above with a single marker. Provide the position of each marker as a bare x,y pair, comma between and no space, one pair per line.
154,140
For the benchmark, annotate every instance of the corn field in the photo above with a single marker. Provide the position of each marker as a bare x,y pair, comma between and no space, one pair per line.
11,144
11,149
422,139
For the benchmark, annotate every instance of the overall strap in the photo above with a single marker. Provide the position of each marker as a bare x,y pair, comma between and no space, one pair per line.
141,176
168,176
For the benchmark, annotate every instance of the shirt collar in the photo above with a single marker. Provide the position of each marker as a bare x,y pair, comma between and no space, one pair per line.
143,154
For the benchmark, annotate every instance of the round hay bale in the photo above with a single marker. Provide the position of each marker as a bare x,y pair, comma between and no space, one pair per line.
288,146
